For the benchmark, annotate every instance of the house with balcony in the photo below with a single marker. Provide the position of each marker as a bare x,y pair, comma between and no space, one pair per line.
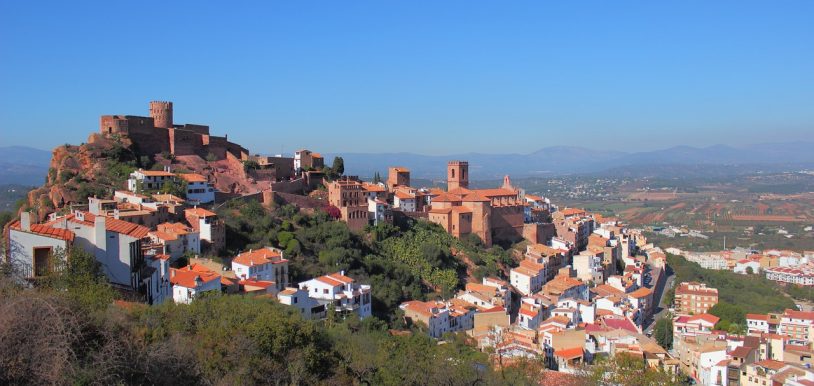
342,293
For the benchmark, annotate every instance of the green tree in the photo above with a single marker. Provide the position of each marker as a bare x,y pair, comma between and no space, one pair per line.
629,370
338,167
729,314
663,332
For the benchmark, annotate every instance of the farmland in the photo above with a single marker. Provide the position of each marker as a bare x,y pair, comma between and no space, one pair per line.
766,211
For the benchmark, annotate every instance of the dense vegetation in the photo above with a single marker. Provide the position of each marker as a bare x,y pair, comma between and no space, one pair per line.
737,294
663,331
69,331
400,264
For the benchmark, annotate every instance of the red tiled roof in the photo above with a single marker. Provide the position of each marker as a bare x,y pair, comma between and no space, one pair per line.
185,277
641,292
475,197
335,279
404,195
805,315
569,353
200,212
156,173
192,177
619,323
770,363
497,192
757,317
712,319
259,257
112,225
46,230
572,211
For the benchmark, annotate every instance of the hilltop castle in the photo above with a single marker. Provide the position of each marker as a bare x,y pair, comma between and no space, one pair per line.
157,134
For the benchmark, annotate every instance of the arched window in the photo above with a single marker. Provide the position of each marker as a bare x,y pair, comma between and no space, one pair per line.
452,173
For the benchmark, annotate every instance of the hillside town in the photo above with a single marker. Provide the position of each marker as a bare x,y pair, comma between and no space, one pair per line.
585,286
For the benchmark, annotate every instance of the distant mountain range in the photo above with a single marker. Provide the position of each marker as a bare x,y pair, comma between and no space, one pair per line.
23,165
28,166
559,160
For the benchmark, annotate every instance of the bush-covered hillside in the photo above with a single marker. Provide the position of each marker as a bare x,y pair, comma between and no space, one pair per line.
400,264
69,330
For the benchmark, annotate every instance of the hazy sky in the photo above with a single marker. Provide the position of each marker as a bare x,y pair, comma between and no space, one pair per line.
435,77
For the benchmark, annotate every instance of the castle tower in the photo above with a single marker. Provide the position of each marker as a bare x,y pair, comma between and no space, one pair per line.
457,175
161,112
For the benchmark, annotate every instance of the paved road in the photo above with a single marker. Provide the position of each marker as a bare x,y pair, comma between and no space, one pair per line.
663,308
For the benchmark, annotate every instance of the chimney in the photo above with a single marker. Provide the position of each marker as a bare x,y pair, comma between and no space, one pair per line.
25,221
100,233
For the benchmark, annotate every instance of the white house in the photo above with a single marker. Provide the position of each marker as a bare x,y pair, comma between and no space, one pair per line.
744,266
262,264
116,244
757,323
309,308
32,246
530,315
707,365
191,281
340,291
434,315
141,180
198,188
376,209
405,200
157,288
528,277
588,267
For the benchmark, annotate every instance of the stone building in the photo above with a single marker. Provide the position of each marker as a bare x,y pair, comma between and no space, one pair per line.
491,214
157,133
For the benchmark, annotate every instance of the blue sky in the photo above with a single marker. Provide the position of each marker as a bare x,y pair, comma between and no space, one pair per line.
426,77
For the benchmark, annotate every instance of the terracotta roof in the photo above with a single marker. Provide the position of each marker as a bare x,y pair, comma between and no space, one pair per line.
288,291
712,319
424,308
111,224
497,192
257,283
771,364
156,173
334,279
192,177
569,353
259,257
641,292
741,351
757,317
185,277
373,187
475,197
200,212
46,230
619,323
572,211
560,319
794,314
176,228
528,310
404,195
